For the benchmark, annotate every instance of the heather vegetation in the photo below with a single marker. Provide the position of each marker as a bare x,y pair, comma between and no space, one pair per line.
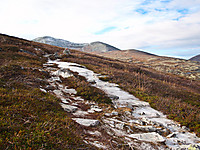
177,97
85,90
30,118
33,119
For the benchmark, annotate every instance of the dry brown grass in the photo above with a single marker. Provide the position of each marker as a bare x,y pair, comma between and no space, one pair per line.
30,118
175,96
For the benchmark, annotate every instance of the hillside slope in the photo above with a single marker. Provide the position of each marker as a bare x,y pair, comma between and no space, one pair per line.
195,58
165,92
30,117
51,106
176,66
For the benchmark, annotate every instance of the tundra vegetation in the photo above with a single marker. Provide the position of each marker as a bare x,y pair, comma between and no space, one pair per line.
30,118
177,97
33,119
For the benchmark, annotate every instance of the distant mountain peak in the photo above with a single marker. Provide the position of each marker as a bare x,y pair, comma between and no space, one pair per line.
99,47
195,58
59,42
96,46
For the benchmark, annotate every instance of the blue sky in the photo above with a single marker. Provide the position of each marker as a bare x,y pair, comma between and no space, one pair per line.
163,27
104,30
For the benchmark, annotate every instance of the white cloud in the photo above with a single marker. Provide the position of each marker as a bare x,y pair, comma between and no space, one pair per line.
161,26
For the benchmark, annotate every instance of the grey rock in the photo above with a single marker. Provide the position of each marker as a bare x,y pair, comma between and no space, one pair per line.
24,51
149,137
120,126
87,122
146,128
65,73
69,91
69,108
95,108
113,97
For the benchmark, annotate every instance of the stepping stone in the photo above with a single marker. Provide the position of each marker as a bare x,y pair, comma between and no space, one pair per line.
87,122
94,109
69,108
65,73
69,91
80,113
149,137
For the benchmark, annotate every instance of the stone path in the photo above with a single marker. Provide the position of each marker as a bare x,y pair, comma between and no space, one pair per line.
130,124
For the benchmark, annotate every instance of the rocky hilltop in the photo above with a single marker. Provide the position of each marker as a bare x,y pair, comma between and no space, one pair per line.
195,58
99,47
96,47
59,42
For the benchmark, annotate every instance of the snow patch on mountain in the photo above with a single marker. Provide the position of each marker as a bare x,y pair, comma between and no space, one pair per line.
59,42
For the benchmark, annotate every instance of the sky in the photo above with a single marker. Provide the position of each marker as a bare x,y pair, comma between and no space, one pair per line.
162,27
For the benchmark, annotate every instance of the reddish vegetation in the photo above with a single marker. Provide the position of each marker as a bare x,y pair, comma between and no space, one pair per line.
30,118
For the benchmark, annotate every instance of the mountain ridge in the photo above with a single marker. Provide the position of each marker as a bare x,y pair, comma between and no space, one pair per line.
86,47
195,58
59,42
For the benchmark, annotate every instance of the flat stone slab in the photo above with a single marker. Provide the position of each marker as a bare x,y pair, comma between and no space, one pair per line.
80,113
148,112
94,109
149,137
69,108
87,122
70,91
65,73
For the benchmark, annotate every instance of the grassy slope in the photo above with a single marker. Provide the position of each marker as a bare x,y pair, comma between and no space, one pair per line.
33,119
30,118
177,97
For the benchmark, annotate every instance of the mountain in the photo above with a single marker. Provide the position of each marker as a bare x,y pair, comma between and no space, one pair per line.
86,101
59,42
92,47
99,47
195,58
